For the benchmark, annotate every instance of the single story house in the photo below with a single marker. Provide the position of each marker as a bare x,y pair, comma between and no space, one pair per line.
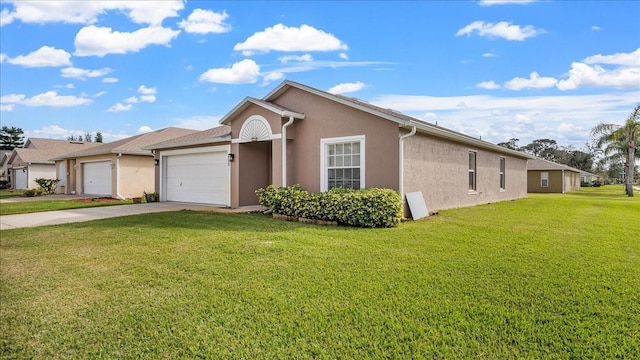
297,134
120,169
26,164
588,178
545,176
4,165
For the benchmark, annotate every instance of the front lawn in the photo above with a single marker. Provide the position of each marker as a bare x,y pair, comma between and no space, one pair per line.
550,276
23,207
9,193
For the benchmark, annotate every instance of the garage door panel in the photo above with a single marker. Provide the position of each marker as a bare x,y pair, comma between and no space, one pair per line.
20,179
198,178
97,178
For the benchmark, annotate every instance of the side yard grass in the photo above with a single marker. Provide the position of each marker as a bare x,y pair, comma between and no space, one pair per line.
550,276
23,207
9,193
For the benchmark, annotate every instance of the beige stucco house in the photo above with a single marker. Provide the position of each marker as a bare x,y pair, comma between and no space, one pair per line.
545,176
301,135
120,169
26,164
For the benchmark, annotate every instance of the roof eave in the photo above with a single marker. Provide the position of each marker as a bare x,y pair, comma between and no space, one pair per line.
188,143
225,120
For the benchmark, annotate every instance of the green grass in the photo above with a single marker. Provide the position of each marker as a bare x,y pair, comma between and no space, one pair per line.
24,207
8,193
550,276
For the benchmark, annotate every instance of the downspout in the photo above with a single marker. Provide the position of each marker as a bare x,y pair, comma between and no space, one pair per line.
563,181
118,177
401,161
284,150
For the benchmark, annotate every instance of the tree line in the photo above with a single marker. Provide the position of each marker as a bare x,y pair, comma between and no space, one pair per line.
612,150
13,137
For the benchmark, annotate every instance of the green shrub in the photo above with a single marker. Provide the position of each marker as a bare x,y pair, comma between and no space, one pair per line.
32,192
361,208
48,186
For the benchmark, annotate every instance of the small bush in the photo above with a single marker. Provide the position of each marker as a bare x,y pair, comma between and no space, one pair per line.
32,192
361,208
48,186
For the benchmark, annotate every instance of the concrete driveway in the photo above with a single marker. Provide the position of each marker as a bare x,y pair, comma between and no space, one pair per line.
104,212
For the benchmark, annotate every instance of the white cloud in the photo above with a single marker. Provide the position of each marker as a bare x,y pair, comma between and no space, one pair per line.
582,75
626,59
198,122
492,117
67,86
489,85
270,77
533,82
131,100
147,94
595,28
6,17
46,56
100,41
3,57
488,54
144,129
110,80
82,74
243,72
283,38
119,107
7,107
344,88
344,56
100,94
205,21
57,132
521,119
504,2
87,12
49,98
301,58
502,29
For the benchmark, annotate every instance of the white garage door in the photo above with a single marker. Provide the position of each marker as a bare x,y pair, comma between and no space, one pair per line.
21,179
197,178
97,178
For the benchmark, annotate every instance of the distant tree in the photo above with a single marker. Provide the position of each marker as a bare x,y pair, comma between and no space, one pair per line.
543,148
87,137
511,144
98,137
11,138
73,138
624,141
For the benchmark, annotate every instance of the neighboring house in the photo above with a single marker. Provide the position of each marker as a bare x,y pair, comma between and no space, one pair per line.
588,178
120,169
33,161
334,141
4,165
545,176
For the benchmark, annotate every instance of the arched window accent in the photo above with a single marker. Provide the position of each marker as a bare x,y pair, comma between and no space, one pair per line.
255,128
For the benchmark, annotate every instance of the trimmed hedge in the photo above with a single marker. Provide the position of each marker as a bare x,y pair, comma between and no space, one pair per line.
369,208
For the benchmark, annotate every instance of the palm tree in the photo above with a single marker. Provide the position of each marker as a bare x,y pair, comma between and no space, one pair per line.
623,140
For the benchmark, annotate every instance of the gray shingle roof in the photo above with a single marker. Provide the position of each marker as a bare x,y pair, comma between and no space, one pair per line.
134,145
210,136
542,164
42,151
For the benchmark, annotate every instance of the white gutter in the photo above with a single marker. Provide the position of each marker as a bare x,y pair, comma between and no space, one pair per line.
118,177
401,161
563,181
284,150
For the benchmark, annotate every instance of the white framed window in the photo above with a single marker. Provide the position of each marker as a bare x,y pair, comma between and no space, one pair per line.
544,179
472,171
503,184
342,162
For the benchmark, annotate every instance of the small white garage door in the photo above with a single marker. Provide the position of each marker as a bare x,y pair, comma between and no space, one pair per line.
21,179
197,178
97,178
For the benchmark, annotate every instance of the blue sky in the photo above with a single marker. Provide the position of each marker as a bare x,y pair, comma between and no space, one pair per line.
490,69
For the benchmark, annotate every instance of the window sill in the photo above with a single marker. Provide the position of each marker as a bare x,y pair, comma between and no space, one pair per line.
503,190
473,192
